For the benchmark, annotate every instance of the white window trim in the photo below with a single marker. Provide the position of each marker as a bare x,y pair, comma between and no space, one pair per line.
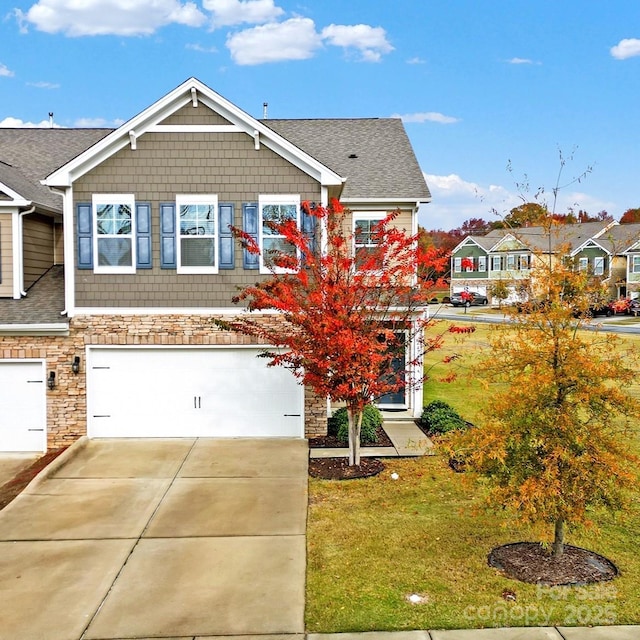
635,264
496,263
598,271
266,199
583,264
511,262
482,264
457,265
378,216
113,198
199,198
523,262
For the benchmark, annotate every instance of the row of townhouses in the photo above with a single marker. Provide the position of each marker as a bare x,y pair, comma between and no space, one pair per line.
608,250
116,254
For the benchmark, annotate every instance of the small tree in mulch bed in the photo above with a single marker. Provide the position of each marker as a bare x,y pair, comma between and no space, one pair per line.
344,313
556,440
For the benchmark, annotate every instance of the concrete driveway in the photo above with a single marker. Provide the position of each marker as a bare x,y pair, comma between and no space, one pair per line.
176,538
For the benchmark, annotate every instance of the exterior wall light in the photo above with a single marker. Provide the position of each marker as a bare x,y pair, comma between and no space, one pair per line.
51,380
75,365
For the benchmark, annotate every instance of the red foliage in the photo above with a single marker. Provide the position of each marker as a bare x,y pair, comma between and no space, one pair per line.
466,263
345,314
457,329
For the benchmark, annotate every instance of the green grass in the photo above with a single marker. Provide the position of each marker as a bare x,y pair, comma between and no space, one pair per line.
373,542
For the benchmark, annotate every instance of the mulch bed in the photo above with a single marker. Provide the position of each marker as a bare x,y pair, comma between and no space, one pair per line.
331,442
529,562
14,487
339,469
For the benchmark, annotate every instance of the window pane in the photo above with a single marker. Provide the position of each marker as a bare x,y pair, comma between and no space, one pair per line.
280,245
276,214
114,252
197,219
197,252
113,219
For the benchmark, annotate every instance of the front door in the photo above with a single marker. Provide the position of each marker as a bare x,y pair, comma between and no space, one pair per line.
397,399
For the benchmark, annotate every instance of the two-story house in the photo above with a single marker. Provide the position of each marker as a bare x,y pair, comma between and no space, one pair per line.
116,253
511,255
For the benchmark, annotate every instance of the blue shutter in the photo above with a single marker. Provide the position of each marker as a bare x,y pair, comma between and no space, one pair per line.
250,226
143,236
168,235
309,229
225,238
84,226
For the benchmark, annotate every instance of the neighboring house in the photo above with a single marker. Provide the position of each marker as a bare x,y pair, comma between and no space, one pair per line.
509,255
116,254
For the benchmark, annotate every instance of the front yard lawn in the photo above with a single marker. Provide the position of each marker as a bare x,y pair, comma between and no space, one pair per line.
373,543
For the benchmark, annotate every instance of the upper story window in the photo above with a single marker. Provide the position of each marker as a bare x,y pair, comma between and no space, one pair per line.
482,263
496,263
197,224
114,226
598,266
583,264
524,262
364,235
635,264
511,262
457,265
276,210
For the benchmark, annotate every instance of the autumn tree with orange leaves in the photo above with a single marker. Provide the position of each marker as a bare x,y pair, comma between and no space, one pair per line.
555,445
344,313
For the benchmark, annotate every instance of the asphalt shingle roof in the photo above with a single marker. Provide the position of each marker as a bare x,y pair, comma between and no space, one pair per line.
43,305
385,165
27,155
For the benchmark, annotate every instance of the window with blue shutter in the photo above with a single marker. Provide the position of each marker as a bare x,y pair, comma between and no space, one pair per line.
168,235
250,226
225,237
143,236
84,226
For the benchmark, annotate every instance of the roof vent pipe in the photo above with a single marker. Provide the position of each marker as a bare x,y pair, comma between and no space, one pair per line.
265,110
51,119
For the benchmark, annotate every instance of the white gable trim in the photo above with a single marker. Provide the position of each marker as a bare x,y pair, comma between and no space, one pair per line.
590,243
468,240
16,199
169,104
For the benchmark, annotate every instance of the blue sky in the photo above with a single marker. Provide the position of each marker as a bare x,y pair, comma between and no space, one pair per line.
478,84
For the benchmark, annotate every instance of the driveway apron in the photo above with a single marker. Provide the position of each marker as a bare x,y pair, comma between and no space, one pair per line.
166,538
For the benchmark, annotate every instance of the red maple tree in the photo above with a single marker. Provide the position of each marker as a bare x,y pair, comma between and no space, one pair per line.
347,307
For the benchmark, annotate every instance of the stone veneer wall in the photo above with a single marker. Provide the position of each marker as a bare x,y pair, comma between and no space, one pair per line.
66,404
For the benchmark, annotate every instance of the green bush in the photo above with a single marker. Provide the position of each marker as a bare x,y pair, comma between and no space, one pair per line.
371,419
440,417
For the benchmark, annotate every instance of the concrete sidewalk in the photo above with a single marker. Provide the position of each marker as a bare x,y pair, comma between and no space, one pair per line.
158,538
407,439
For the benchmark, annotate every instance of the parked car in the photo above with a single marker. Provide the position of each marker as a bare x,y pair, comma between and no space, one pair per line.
458,299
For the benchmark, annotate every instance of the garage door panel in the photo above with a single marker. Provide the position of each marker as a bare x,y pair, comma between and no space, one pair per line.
190,393
23,406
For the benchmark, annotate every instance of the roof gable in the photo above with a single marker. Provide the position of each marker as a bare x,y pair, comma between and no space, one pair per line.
158,117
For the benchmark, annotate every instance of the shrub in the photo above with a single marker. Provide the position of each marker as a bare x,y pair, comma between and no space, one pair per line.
371,419
440,417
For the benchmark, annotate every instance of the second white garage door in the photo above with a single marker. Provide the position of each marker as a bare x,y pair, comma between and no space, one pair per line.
181,392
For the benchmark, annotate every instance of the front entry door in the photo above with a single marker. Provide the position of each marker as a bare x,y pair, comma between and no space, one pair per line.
397,399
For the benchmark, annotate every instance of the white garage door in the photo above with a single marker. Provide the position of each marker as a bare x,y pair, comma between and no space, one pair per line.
181,392
23,405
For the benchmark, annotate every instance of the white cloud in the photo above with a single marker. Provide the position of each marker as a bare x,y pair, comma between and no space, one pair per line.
416,60
426,116
200,49
5,71
626,48
109,17
294,39
44,85
97,123
370,42
16,123
230,12
521,61
455,200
